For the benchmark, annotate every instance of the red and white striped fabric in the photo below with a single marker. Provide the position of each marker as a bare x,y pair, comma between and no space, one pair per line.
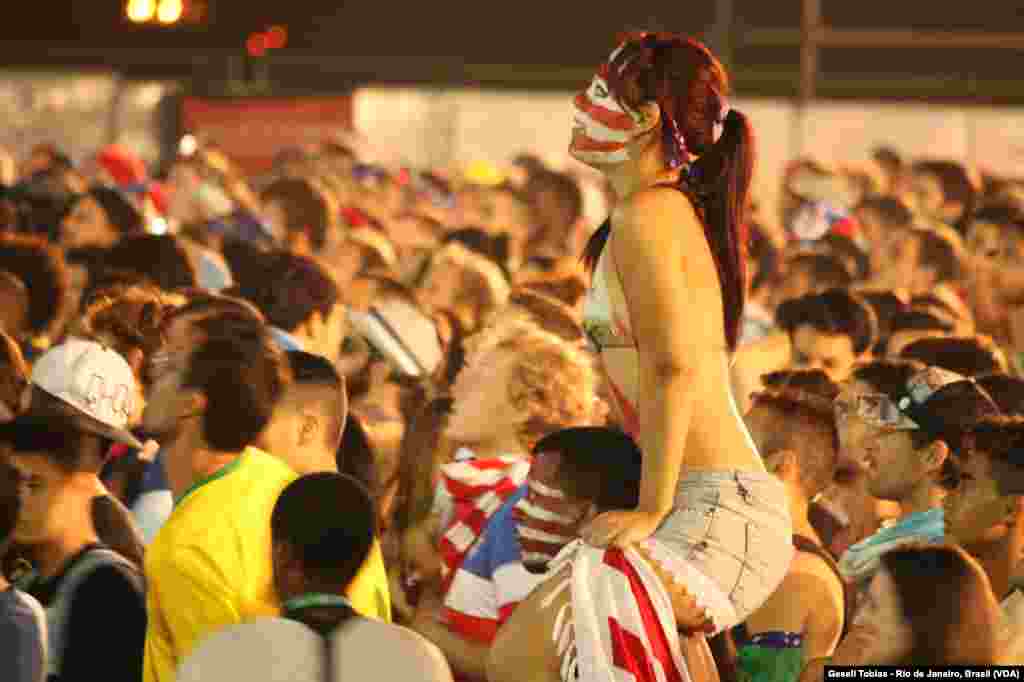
478,488
624,628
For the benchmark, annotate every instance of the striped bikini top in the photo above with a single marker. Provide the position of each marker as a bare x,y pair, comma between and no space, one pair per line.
605,316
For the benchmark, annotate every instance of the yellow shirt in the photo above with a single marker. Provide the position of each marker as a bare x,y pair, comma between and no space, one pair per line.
210,566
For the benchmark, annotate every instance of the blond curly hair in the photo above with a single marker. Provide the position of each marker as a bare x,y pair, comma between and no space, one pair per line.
553,382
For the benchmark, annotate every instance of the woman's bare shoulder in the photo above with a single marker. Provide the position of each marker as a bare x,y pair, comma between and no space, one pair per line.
657,210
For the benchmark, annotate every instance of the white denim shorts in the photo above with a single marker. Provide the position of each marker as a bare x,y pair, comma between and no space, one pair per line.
733,529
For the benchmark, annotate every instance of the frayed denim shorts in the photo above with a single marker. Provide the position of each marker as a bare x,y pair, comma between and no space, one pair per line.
729,539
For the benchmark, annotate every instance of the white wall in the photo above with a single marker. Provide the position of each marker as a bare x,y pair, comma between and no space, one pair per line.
78,112
439,127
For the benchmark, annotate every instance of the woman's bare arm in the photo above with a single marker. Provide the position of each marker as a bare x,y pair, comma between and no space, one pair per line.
671,289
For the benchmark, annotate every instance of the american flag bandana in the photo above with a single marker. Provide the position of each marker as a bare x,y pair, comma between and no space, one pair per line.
478,488
605,124
623,626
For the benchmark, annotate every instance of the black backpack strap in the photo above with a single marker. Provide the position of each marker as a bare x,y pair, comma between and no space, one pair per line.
341,615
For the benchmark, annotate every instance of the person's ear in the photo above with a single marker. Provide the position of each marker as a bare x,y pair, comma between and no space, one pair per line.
313,327
193,403
648,117
309,427
935,456
135,358
784,464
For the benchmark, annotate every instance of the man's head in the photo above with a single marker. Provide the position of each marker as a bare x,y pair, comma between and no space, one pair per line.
795,432
934,257
297,212
300,297
910,326
987,483
10,503
221,389
970,356
57,466
44,271
322,529
806,273
907,431
882,219
180,329
576,474
942,191
830,331
307,423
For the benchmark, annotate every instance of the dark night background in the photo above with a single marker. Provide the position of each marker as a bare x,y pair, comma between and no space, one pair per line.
523,43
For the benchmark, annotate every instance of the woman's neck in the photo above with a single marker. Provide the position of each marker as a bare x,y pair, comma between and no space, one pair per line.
637,174
922,499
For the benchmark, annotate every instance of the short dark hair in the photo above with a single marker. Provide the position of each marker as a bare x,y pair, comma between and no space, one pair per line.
355,456
1001,438
10,503
930,303
158,256
919,320
598,464
886,306
1006,390
329,522
292,289
825,270
835,311
893,212
242,373
956,185
309,369
208,304
814,381
305,208
966,355
125,218
842,247
996,214
810,432
247,261
941,593
59,440
43,270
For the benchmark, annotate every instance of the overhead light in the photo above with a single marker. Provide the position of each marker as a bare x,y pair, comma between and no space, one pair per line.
140,11
170,11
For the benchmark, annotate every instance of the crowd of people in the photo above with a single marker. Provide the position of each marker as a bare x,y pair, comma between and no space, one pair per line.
336,420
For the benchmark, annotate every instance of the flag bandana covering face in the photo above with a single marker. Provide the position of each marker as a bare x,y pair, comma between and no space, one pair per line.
478,488
604,125
544,527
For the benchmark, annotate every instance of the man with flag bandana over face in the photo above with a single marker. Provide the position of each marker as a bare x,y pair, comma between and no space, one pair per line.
576,474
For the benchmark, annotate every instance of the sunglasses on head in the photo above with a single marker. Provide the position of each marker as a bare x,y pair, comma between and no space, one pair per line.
877,409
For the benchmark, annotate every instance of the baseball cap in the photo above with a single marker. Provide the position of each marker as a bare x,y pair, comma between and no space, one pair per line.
85,386
402,334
